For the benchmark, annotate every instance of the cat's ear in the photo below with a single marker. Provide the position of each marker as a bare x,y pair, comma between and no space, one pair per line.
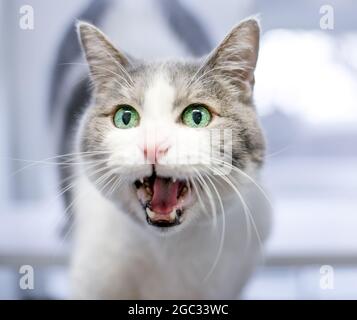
104,60
236,56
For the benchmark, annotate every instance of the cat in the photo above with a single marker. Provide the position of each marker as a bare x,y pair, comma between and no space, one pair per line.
150,223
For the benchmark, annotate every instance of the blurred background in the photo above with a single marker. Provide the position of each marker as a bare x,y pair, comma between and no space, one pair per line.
306,95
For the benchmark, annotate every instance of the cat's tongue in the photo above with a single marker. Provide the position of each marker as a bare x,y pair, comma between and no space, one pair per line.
164,199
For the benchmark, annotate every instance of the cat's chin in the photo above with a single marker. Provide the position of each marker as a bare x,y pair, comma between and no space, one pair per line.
164,199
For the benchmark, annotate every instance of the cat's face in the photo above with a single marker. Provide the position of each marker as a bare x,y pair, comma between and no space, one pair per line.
159,136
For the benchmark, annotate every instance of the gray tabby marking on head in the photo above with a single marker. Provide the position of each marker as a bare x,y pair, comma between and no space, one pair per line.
224,79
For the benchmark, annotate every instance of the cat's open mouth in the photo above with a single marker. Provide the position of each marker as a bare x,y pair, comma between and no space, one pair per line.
163,199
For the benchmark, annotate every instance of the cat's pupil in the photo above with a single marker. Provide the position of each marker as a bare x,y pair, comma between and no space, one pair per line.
197,116
126,117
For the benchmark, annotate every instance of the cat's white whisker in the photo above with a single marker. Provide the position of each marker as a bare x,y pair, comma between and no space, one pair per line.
209,196
247,211
198,194
221,241
47,161
102,178
239,171
67,188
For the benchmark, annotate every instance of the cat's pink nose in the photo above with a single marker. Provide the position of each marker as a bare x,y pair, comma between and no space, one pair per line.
154,153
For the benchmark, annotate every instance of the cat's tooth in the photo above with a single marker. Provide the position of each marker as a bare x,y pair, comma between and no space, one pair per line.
150,213
173,180
173,214
141,180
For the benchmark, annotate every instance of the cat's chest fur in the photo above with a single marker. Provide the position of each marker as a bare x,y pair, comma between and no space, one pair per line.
115,259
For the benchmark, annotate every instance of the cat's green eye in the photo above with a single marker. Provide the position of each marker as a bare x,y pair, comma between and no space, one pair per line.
196,116
126,117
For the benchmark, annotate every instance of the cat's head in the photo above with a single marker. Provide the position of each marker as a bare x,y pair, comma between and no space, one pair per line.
160,138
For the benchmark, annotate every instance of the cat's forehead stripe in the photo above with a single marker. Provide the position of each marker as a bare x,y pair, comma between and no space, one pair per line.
160,94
